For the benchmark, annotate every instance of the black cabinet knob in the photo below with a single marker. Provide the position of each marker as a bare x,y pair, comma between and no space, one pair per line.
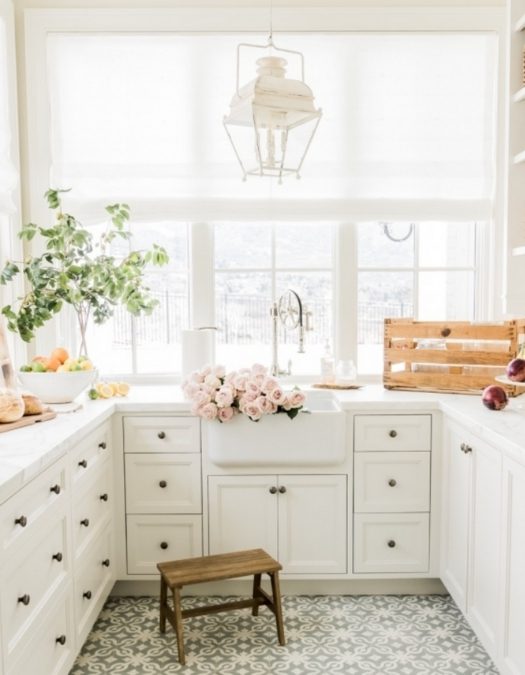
392,482
163,484
164,545
272,490
392,433
105,563
391,543
58,557
87,595
61,640
85,522
161,435
25,599
282,489
22,521
104,497
464,447
102,445
55,489
83,463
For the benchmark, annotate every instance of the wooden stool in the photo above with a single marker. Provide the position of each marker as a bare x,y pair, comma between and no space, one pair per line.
178,573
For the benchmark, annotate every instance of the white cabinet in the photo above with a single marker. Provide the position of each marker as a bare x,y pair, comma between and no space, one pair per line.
512,614
471,530
163,493
299,519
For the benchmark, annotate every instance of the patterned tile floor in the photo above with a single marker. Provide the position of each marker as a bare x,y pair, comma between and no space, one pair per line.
351,635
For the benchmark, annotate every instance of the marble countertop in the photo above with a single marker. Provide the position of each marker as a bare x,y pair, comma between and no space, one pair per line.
26,452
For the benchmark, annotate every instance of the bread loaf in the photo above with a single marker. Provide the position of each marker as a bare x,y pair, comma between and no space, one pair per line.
11,406
32,405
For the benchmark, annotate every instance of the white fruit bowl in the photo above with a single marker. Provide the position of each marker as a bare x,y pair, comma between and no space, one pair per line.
57,387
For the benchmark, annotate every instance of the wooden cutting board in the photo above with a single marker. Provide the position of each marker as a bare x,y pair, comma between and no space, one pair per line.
337,386
27,420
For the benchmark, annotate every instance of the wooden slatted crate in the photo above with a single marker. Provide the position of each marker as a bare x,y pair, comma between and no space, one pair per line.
453,357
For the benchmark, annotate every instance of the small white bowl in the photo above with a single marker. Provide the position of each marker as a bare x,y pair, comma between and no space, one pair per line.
57,387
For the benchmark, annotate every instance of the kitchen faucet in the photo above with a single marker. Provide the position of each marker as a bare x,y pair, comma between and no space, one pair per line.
289,311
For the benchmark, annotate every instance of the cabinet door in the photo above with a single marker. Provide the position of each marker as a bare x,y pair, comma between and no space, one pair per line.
454,534
484,543
313,524
513,643
242,513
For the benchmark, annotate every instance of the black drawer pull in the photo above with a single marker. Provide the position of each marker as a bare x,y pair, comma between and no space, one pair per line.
163,484
392,482
105,563
164,545
22,521
272,490
58,557
85,522
392,433
465,448
61,640
25,599
104,497
161,435
282,489
102,445
83,463
87,595
391,543
55,489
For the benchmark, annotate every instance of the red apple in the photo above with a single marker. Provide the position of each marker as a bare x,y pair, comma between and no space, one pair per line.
494,397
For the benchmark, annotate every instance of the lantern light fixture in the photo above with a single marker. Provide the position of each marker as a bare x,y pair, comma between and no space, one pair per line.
272,119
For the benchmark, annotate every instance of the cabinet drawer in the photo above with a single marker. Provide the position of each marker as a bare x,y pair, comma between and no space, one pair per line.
93,581
90,453
392,432
165,483
50,649
153,539
161,434
91,509
391,542
391,481
22,516
29,584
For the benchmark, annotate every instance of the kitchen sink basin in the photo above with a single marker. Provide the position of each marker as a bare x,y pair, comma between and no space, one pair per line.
315,437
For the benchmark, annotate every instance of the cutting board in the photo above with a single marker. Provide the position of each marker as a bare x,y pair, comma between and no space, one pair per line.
27,420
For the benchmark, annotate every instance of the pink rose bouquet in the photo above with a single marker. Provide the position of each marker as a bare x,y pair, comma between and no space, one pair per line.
216,394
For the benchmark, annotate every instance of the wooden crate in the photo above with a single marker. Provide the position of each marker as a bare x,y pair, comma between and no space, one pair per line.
454,356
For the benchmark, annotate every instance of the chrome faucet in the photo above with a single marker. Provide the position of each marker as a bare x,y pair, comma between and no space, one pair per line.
290,312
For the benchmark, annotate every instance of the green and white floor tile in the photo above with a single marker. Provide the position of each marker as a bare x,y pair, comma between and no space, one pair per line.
351,635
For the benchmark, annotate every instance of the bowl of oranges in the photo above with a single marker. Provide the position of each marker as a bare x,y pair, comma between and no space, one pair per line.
57,378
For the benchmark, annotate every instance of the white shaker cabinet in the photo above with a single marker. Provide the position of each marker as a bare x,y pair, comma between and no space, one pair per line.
299,519
471,549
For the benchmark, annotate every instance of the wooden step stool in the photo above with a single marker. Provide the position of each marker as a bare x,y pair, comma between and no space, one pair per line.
178,573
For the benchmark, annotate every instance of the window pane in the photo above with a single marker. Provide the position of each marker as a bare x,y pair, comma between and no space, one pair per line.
242,245
377,248
446,295
447,245
109,345
303,245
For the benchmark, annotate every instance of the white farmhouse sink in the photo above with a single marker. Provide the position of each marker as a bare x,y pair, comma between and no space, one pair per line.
315,437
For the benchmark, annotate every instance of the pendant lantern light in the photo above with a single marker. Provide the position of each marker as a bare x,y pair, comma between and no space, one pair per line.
272,118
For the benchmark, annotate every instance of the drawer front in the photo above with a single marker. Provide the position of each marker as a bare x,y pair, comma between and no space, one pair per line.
161,434
387,542
90,454
91,509
50,650
23,515
391,481
93,581
401,433
153,539
29,583
165,483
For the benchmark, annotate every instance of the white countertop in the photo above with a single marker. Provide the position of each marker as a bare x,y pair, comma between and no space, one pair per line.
26,452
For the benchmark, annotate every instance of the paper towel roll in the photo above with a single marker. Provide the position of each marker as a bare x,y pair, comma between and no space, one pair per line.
198,349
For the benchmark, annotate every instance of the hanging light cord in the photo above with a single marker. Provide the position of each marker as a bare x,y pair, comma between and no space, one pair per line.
270,36
388,234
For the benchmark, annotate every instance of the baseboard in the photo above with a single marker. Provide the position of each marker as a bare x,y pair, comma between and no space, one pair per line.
295,587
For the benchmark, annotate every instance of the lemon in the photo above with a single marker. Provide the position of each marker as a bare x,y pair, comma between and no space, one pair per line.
114,387
86,365
62,369
104,390
122,388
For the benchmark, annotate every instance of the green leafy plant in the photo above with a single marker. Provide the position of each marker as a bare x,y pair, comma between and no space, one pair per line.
79,271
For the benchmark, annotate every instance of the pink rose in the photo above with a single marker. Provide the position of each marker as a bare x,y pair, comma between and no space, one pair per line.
224,397
212,381
219,371
190,389
230,377
252,387
204,371
259,379
253,411
258,369
240,382
265,405
269,384
248,397
296,398
276,396
201,397
208,411
195,377
226,414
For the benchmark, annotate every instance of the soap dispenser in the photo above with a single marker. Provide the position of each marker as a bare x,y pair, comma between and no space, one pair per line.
327,365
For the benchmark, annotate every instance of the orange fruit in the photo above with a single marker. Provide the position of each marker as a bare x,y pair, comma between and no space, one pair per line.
40,359
53,363
60,354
